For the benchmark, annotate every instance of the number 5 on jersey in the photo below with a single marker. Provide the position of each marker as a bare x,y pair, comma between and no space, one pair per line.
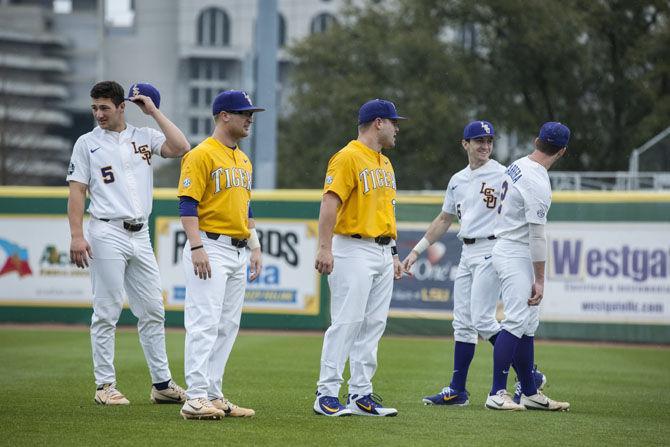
107,174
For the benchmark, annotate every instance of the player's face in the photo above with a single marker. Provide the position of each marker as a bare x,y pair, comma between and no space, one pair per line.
107,115
478,149
241,123
389,129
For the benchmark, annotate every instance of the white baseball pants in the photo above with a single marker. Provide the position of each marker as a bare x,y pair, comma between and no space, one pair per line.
212,316
476,292
124,262
515,269
361,285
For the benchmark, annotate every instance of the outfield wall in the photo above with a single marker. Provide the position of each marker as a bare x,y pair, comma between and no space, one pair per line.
607,275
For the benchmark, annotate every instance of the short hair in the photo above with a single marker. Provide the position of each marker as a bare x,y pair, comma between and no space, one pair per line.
365,126
547,148
108,89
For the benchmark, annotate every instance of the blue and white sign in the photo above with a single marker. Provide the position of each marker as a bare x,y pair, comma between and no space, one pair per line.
608,272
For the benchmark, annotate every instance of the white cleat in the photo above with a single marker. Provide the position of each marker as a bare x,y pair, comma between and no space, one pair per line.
201,408
109,395
173,394
502,401
541,402
231,409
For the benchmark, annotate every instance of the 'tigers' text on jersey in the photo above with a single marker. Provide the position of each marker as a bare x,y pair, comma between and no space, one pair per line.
235,177
376,178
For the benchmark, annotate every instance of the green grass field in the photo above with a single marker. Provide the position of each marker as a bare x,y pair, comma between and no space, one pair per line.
46,388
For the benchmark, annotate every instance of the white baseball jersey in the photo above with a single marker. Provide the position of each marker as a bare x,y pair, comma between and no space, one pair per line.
525,197
117,168
473,196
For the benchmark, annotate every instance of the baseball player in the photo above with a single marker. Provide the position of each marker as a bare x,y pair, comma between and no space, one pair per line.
357,249
114,163
472,195
214,195
519,257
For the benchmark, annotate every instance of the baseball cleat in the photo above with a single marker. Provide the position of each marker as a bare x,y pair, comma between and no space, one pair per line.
448,397
368,405
330,406
109,395
201,408
231,409
173,394
502,401
540,381
541,402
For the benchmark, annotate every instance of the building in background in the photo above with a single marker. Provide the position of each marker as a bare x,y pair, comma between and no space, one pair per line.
34,121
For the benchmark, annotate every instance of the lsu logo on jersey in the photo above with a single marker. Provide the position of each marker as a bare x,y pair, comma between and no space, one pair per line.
143,150
376,178
232,178
489,198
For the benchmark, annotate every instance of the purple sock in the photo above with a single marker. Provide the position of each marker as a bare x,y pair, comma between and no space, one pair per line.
463,353
503,353
493,342
523,360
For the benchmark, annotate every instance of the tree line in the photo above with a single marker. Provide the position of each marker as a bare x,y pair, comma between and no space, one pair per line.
600,66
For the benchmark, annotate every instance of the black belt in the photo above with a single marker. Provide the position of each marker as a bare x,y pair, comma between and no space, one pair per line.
468,241
239,243
128,225
381,240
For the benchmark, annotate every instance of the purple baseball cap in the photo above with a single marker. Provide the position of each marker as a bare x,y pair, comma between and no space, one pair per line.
233,101
378,108
143,88
555,133
477,129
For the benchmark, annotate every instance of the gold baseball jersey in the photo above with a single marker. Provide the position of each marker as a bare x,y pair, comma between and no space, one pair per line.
365,182
219,178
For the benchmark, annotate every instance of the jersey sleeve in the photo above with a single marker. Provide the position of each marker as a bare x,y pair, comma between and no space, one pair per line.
537,200
79,169
449,205
157,139
340,177
195,171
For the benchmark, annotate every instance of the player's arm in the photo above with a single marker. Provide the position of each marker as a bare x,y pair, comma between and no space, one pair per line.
80,250
330,203
538,255
255,261
188,212
175,144
435,231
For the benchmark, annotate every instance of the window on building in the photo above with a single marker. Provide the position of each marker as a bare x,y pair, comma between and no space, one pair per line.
281,38
194,126
322,22
194,96
208,125
213,28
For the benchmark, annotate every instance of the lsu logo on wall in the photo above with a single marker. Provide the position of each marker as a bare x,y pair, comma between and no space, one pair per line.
17,259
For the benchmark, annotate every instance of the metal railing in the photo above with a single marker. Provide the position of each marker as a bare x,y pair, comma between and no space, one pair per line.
609,181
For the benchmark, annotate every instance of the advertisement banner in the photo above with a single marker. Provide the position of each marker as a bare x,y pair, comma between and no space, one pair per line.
608,272
288,283
35,263
429,292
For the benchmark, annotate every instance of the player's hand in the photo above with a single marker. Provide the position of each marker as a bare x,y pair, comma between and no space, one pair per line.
200,260
324,261
145,104
537,292
397,268
255,264
80,252
409,261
